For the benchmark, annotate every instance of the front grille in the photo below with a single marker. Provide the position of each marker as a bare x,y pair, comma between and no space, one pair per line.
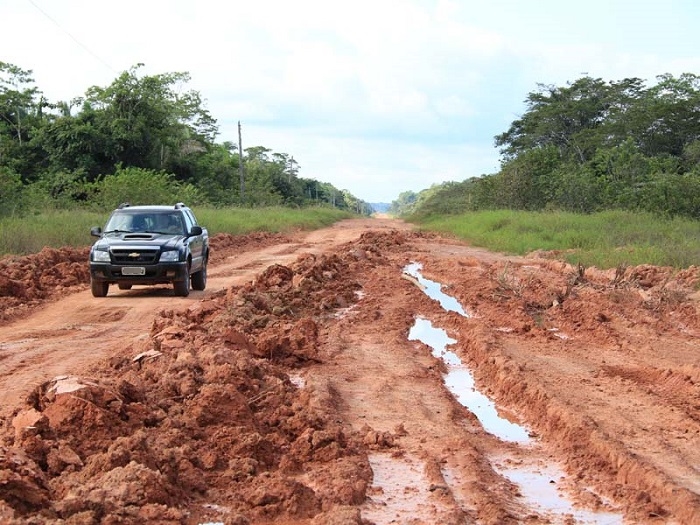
139,256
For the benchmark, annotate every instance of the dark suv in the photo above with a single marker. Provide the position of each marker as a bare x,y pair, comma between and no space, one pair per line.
149,245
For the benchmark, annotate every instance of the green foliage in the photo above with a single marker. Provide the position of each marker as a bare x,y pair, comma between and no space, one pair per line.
444,199
590,146
143,138
605,240
237,221
148,122
53,228
404,204
595,145
575,189
58,228
10,192
141,186
672,195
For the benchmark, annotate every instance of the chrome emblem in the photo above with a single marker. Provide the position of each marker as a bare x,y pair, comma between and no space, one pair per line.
134,255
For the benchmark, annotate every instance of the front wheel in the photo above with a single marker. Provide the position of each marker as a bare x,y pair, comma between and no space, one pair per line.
182,288
99,288
199,279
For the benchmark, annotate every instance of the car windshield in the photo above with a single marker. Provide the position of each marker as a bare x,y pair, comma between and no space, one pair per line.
145,222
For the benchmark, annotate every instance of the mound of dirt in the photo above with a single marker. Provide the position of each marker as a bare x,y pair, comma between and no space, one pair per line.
28,281
201,421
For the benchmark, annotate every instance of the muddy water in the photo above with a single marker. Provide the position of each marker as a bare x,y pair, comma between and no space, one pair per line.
433,290
460,381
539,490
400,493
537,480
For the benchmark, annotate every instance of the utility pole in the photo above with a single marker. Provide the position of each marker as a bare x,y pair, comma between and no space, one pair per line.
240,162
290,169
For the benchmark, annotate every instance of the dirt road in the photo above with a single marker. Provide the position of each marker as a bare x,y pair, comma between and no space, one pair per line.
324,378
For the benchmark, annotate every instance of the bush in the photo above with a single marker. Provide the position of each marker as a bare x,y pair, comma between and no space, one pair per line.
142,186
10,192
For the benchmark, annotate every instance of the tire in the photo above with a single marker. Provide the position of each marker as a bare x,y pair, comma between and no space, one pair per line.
99,288
123,286
199,279
182,288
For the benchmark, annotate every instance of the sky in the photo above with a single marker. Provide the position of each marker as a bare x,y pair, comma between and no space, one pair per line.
376,97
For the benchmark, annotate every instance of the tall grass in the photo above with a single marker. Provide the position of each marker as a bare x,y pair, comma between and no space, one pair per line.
604,240
31,233
55,228
237,221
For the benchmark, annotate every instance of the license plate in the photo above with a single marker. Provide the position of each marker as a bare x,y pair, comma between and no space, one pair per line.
133,270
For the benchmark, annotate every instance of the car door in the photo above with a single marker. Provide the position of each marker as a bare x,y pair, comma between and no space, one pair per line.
196,242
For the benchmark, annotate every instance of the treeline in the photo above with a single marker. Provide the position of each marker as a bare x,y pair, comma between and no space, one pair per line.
143,139
589,146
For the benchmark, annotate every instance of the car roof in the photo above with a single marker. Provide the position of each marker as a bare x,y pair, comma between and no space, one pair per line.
128,209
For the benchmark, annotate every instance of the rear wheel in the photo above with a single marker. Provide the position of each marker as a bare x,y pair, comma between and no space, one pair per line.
99,288
199,279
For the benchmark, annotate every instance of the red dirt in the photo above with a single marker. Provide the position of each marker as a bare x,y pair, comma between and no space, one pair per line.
289,392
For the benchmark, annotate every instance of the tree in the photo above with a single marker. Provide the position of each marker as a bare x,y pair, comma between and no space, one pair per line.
21,111
142,130
563,117
667,117
404,203
17,100
151,124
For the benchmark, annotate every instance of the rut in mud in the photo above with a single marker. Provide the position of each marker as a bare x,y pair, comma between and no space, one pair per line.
293,391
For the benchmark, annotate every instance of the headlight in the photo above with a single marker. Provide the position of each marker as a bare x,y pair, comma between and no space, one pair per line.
100,256
171,256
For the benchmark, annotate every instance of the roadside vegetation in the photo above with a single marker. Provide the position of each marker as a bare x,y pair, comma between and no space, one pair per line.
607,172
607,239
58,228
142,139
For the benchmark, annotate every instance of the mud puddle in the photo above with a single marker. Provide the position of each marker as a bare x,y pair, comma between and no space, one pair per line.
460,382
401,492
539,489
538,480
433,290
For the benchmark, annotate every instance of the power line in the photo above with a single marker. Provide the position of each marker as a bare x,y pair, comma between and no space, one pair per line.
72,37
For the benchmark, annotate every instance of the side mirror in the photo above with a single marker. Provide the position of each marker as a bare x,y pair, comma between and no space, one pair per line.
196,230
95,231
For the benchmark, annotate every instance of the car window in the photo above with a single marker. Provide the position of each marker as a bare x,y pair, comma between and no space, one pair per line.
172,223
119,222
142,223
188,220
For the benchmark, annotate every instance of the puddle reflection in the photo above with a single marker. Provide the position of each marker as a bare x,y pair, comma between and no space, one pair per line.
434,290
536,484
460,381
538,487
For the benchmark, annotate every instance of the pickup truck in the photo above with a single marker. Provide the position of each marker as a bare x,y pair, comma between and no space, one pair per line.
149,245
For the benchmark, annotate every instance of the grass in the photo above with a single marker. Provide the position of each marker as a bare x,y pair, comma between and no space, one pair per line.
237,221
29,234
604,240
